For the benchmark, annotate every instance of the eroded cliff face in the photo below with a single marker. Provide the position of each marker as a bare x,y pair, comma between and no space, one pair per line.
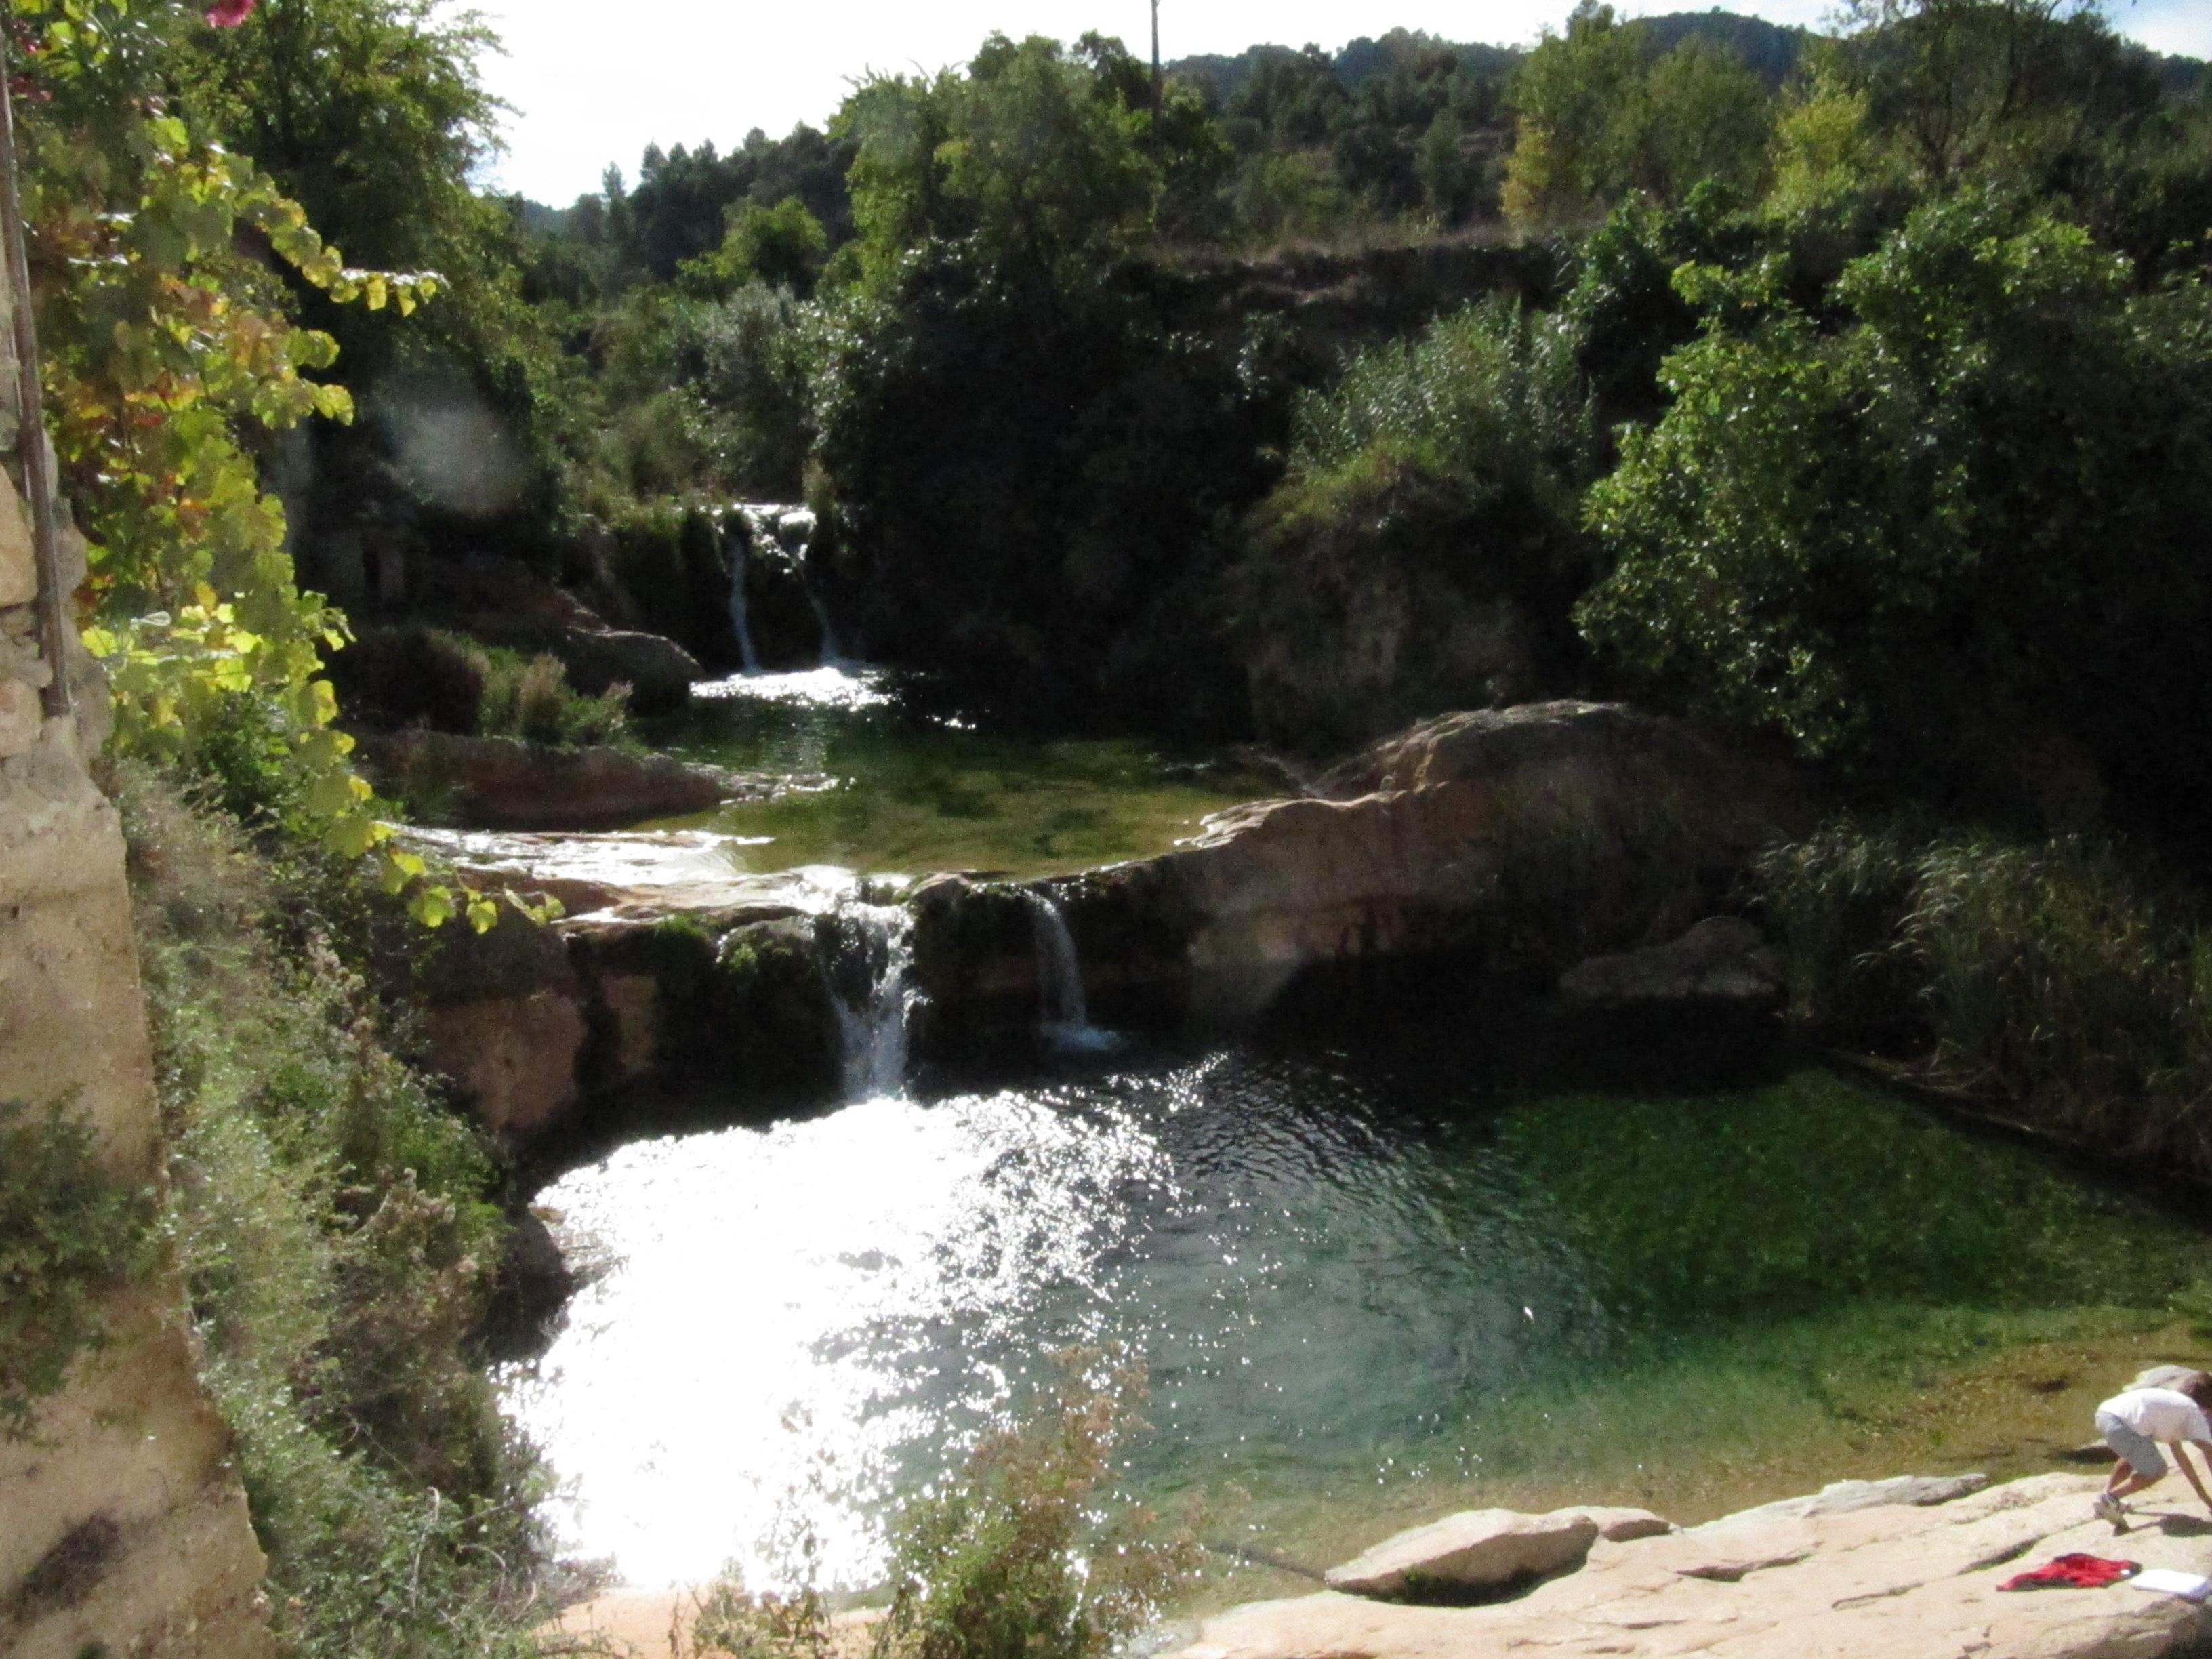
126,1531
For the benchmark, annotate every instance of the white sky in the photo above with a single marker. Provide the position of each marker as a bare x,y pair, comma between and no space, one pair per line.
592,82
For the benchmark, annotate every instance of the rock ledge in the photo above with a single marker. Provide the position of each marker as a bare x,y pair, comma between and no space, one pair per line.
1893,1579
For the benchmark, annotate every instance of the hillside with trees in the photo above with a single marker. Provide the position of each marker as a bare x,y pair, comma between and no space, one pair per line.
1848,392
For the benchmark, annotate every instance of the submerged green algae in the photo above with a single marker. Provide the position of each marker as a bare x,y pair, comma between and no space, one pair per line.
883,785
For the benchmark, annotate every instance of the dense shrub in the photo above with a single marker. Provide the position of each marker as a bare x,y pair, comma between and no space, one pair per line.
394,678
1970,519
333,1225
531,698
1032,482
1019,1555
671,562
1425,550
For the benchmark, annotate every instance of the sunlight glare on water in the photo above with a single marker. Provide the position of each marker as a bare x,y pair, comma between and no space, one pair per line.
786,1310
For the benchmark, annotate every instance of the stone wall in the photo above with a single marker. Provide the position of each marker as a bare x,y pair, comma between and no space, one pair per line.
125,1530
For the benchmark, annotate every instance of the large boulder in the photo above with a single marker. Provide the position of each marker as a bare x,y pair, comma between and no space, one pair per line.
1474,1551
658,671
1520,841
1724,962
503,783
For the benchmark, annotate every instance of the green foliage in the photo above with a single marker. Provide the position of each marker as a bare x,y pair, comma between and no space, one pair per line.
372,115
1020,1556
1032,482
1575,93
2066,978
169,358
1034,152
1834,902
1897,541
780,246
1430,519
71,1235
333,1225
699,398
1596,121
531,698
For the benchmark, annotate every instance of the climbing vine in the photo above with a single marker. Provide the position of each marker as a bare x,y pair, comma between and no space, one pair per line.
170,359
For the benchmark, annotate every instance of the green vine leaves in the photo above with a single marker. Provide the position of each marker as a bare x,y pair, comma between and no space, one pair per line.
168,348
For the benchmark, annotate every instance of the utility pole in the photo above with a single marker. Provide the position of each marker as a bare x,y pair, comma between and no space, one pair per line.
1155,59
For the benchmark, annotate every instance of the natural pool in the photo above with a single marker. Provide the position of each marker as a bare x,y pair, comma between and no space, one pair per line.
1373,1283
889,784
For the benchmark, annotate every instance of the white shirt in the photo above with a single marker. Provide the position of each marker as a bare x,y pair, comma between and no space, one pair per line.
2161,1413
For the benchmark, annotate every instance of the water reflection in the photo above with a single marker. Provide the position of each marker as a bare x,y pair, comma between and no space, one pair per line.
853,1293
1341,1269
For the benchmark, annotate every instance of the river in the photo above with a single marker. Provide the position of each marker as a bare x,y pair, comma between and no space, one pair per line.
1373,1277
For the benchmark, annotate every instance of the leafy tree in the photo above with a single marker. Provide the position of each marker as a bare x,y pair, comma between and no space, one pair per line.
1578,97
783,246
169,360
1973,513
1033,153
1706,116
372,115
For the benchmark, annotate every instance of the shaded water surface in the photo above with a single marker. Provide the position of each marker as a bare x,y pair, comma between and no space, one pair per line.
887,783
1358,1279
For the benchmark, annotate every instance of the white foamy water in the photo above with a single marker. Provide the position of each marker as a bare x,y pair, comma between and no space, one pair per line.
833,685
786,1310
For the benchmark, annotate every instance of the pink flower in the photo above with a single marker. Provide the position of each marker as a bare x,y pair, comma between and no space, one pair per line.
229,13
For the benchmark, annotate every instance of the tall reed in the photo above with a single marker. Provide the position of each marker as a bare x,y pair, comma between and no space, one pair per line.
2071,978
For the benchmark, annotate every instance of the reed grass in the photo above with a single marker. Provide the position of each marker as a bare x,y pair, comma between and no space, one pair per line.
2070,978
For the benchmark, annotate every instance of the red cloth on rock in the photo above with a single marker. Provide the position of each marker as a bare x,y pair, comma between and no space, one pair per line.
2073,1571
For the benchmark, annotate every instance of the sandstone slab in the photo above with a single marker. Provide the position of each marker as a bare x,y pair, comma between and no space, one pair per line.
1521,840
1889,1581
1474,1549
1618,1524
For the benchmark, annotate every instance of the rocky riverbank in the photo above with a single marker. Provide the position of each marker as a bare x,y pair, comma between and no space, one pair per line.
1491,851
1859,1572
1902,1569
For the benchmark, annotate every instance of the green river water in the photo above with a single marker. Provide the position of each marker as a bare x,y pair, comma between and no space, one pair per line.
1375,1278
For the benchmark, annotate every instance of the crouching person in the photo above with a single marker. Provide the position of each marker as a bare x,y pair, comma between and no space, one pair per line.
2134,1422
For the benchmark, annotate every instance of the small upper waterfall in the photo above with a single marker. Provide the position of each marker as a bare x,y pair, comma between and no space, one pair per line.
774,548
1065,1014
740,542
873,996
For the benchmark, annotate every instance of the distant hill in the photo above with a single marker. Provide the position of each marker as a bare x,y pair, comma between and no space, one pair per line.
1772,49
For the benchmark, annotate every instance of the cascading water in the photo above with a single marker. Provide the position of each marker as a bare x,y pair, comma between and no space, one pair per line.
740,544
1067,1015
782,532
874,994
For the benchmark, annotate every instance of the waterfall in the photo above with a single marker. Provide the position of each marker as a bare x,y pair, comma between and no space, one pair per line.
873,996
1066,1017
740,545
831,656
794,532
